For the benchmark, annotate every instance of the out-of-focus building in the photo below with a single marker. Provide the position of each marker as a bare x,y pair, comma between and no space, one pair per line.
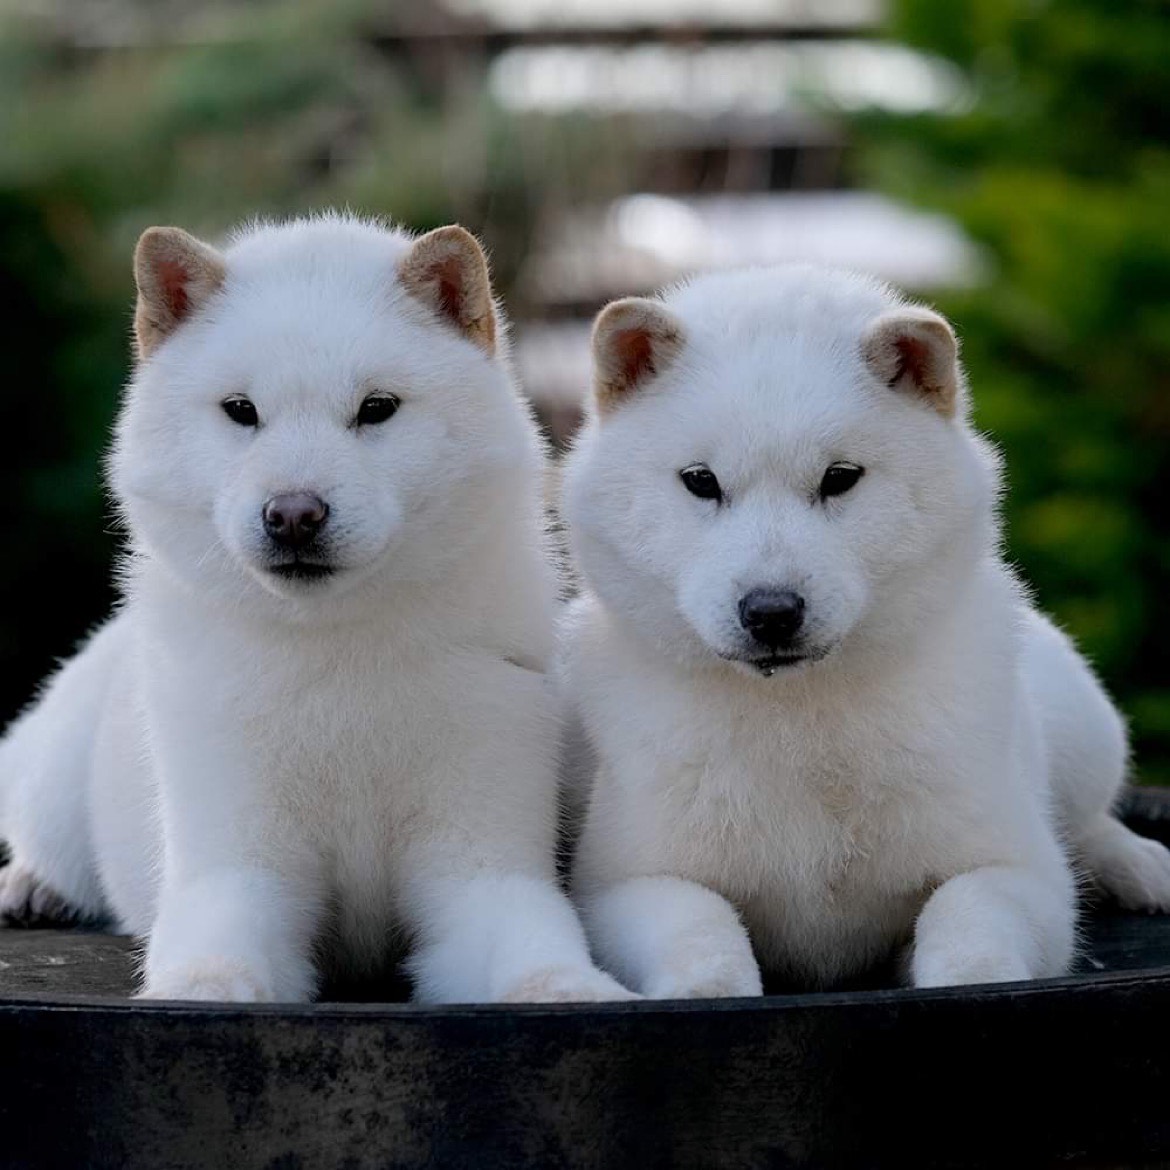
737,108
732,115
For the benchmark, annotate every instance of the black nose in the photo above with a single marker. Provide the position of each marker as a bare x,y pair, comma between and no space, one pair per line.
772,616
293,520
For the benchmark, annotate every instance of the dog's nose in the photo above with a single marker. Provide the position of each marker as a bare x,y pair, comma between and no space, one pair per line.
293,520
772,616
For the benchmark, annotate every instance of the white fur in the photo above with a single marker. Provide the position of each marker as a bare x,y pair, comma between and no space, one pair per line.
928,779
272,780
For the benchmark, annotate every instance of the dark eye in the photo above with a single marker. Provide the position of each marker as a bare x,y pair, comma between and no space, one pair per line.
700,481
241,410
376,408
839,478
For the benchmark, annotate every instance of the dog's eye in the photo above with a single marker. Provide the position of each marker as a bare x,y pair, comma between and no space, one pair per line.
376,408
839,478
700,481
241,410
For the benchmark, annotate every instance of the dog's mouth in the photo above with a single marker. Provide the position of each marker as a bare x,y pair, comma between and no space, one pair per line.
299,570
769,664
776,662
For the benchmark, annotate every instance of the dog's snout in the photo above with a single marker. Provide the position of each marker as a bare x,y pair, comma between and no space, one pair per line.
294,520
772,616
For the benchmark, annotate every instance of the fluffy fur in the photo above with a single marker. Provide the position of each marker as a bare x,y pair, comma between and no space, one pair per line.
274,764
922,767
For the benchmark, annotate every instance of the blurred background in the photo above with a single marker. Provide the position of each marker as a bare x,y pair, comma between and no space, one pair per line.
1008,160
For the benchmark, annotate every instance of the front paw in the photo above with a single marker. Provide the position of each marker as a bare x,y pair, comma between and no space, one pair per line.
216,980
566,985
711,976
954,968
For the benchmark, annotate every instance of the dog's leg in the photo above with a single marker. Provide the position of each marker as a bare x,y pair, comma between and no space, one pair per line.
671,939
1124,865
476,873
242,935
1131,868
500,937
1088,755
45,767
994,925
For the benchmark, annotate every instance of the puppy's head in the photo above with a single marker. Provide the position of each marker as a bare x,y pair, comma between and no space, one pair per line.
778,466
324,403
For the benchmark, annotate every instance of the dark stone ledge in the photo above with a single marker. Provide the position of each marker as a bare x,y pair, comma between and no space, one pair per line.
1069,1072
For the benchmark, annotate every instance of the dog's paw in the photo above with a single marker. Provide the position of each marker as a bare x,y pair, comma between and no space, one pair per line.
566,985
952,968
711,976
27,901
216,980
1135,871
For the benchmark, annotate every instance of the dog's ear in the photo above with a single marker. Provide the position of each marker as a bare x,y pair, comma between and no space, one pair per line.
175,274
447,270
634,340
914,350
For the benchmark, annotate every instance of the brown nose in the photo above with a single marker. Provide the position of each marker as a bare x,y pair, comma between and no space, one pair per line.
294,520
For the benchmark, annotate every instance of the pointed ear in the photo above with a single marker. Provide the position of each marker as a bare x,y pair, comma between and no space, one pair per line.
175,274
914,350
447,270
634,340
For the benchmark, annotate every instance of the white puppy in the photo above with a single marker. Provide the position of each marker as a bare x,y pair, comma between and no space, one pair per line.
821,705
320,725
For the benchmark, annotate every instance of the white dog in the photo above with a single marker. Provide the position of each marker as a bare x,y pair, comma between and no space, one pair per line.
821,705
320,725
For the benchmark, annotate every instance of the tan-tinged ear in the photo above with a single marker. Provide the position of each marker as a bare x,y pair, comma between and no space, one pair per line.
447,270
175,274
634,340
914,350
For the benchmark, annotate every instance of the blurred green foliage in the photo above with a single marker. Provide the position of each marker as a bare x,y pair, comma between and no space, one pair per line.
1059,166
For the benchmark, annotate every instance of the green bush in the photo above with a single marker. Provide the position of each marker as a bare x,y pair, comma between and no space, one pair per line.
1059,166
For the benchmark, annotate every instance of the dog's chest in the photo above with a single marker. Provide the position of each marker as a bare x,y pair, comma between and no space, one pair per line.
777,811
827,837
340,758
